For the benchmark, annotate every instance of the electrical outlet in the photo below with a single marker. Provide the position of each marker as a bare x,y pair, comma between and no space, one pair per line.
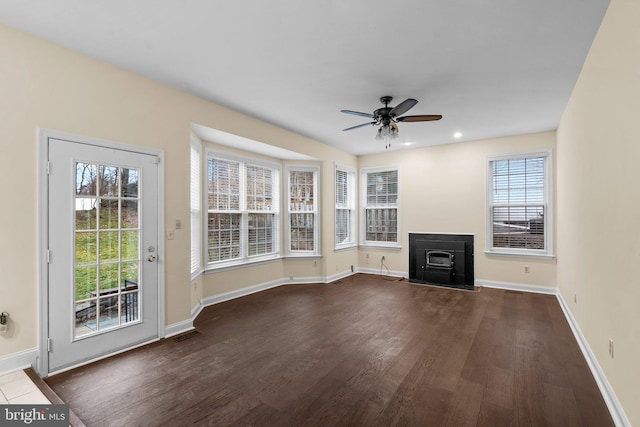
526,268
178,224
611,347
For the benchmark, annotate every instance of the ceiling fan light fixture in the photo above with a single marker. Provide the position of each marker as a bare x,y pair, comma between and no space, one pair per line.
387,117
389,131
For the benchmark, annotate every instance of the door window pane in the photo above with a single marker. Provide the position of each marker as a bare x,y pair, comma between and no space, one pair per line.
86,252
86,313
107,247
129,245
86,179
108,181
86,281
109,214
86,213
130,182
129,216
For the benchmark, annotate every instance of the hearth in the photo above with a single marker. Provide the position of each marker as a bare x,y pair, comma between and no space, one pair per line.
441,259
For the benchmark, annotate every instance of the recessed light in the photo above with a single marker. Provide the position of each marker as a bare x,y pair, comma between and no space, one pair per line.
407,143
457,135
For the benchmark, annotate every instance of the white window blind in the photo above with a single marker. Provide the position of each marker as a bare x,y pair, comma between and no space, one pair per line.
261,200
344,207
196,209
380,207
243,205
303,238
519,204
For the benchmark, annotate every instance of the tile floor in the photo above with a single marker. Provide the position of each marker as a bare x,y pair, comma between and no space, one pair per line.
17,388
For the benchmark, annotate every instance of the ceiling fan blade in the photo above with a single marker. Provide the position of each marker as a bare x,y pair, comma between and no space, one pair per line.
403,107
359,126
422,118
357,113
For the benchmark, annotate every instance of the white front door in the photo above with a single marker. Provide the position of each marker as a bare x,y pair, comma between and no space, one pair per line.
103,239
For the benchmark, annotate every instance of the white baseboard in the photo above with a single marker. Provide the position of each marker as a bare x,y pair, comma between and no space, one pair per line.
227,296
303,280
178,328
609,396
384,272
18,361
338,276
516,287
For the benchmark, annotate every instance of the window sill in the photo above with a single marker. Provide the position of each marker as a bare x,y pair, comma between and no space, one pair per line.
341,248
302,256
194,276
392,247
519,255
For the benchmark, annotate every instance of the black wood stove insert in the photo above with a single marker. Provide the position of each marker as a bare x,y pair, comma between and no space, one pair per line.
441,259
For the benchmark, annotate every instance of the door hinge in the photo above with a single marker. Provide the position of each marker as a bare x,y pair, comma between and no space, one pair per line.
156,161
49,345
49,168
48,256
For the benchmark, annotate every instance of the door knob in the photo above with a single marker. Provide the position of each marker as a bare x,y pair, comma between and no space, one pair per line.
151,258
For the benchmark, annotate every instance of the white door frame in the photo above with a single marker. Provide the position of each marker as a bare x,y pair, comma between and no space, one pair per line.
43,234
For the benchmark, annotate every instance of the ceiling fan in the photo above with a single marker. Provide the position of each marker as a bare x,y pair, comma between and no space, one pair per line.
388,117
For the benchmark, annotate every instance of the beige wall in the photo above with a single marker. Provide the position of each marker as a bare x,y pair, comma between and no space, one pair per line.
599,209
443,190
46,86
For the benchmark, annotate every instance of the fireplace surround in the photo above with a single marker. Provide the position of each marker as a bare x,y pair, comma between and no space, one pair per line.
442,259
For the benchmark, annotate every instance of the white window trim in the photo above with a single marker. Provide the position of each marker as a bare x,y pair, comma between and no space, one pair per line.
316,211
244,258
363,208
196,215
352,189
548,252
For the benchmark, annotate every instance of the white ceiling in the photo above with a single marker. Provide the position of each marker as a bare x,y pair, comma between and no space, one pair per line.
490,67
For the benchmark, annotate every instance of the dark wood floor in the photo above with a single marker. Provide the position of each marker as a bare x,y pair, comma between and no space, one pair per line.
363,351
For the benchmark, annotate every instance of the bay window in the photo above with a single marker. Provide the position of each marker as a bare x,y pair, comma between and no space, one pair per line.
303,237
242,210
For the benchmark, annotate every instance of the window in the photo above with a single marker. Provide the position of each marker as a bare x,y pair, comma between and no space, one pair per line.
196,209
519,213
345,218
302,213
243,211
380,207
